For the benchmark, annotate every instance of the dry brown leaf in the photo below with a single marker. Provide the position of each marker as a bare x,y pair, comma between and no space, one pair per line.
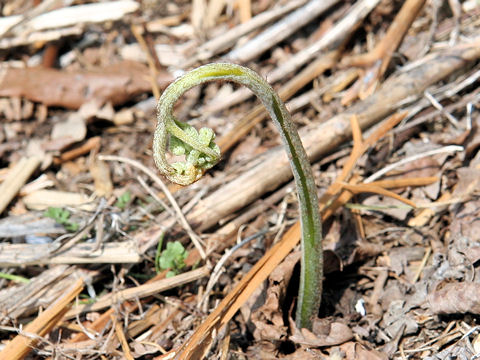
468,182
355,351
466,219
331,262
473,254
397,320
72,130
364,250
264,350
324,333
423,167
304,354
456,298
400,258
268,319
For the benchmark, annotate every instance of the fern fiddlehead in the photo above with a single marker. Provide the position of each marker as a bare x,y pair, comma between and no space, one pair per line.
201,153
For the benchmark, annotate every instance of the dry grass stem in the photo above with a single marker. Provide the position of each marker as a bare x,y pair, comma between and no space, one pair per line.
386,169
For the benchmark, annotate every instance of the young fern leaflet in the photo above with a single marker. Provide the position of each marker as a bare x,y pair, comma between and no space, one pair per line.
201,153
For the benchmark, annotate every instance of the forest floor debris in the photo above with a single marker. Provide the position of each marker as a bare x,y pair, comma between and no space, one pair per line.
83,214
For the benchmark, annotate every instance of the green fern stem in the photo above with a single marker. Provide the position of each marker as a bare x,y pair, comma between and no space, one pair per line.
202,153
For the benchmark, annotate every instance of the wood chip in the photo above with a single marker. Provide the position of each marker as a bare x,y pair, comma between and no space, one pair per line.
16,178
43,199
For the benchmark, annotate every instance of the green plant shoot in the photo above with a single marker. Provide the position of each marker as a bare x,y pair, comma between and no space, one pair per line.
173,258
62,216
201,153
123,200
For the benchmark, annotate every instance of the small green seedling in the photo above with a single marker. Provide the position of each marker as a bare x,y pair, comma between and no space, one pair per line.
201,153
62,216
173,258
123,200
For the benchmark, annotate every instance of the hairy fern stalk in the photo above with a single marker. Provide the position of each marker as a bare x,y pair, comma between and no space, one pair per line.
201,153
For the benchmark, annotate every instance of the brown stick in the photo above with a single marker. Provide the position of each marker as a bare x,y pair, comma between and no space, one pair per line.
92,143
121,337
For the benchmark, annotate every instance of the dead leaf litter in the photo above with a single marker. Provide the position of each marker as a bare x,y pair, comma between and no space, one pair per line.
100,258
